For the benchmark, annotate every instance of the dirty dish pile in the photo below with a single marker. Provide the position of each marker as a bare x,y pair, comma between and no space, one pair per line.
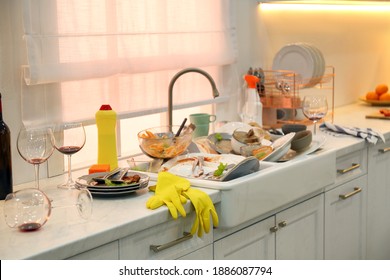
132,181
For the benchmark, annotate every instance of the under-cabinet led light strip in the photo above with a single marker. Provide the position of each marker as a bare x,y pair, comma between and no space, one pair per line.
359,6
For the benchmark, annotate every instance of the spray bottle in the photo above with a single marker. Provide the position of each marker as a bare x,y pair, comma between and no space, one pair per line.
253,108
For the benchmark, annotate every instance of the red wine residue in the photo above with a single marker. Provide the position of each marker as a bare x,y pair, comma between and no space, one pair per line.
69,150
29,226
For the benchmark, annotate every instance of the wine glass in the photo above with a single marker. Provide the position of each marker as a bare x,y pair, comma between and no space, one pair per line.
68,139
34,146
315,108
29,209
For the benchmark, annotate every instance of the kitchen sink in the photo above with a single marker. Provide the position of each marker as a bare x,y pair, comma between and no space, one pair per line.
275,185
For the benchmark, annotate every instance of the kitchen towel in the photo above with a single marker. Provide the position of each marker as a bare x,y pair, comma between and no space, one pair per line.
367,134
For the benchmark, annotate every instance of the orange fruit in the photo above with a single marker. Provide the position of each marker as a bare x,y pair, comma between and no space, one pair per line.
381,89
372,95
385,97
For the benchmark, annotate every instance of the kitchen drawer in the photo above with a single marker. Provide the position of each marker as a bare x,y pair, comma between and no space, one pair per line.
109,251
173,234
351,166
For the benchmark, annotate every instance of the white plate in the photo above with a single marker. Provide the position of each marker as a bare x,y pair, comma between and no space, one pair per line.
281,147
84,181
316,143
230,127
296,58
182,166
319,64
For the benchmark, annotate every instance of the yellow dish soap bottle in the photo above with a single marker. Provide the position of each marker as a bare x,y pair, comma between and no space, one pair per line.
106,125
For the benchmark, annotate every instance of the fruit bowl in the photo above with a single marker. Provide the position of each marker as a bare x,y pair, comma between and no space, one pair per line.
161,142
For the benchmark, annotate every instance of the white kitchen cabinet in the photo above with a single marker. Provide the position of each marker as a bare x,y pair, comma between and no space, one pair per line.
255,242
345,220
170,240
378,217
300,231
294,233
108,251
205,253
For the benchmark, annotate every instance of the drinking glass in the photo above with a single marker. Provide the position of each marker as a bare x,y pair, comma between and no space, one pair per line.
34,146
29,209
314,108
68,139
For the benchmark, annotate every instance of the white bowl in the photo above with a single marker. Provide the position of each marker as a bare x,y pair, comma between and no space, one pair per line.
239,140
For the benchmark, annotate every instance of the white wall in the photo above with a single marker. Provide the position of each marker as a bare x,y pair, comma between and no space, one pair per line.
356,43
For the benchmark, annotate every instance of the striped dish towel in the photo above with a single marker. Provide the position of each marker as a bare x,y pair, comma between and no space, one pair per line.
366,133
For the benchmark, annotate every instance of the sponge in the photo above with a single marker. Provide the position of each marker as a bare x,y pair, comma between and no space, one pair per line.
99,168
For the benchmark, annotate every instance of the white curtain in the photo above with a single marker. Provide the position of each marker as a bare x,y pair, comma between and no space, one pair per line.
123,52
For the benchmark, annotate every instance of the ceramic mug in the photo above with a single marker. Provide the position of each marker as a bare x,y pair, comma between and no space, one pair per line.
202,122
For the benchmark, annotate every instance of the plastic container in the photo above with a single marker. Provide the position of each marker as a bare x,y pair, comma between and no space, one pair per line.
253,108
106,125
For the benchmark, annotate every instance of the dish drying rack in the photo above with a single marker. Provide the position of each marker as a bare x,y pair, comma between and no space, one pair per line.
282,91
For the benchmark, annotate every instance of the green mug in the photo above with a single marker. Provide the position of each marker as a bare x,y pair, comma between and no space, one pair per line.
202,121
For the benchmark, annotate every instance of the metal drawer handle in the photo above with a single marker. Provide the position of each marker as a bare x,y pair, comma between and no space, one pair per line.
282,224
354,166
384,150
159,248
345,196
274,229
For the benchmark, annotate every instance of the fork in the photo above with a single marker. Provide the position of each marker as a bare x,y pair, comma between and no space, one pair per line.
198,162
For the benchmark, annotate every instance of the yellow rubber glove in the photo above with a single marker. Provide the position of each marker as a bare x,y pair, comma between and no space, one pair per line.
167,191
203,208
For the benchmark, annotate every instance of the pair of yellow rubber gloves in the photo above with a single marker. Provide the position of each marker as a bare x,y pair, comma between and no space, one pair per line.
173,191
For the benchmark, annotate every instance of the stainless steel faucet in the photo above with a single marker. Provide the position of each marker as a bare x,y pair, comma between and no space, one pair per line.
171,84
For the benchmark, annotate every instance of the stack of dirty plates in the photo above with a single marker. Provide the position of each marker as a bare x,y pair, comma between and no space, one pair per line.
102,190
303,59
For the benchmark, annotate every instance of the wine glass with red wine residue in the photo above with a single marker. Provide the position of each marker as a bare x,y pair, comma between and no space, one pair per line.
68,139
315,108
29,209
34,146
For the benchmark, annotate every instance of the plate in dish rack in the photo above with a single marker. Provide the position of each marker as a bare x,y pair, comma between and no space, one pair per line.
295,58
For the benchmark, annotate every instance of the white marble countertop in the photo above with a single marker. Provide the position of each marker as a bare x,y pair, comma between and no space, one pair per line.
66,234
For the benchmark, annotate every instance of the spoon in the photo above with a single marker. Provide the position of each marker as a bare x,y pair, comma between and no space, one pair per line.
119,180
181,127
102,180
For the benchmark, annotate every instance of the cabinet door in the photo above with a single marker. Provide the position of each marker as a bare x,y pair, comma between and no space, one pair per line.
169,240
255,242
378,223
205,253
345,220
300,231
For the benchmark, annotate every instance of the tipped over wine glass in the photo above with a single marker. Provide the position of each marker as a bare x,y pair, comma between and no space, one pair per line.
34,146
29,209
68,139
315,107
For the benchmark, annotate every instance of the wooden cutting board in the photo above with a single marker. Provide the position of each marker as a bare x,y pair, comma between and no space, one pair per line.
377,116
